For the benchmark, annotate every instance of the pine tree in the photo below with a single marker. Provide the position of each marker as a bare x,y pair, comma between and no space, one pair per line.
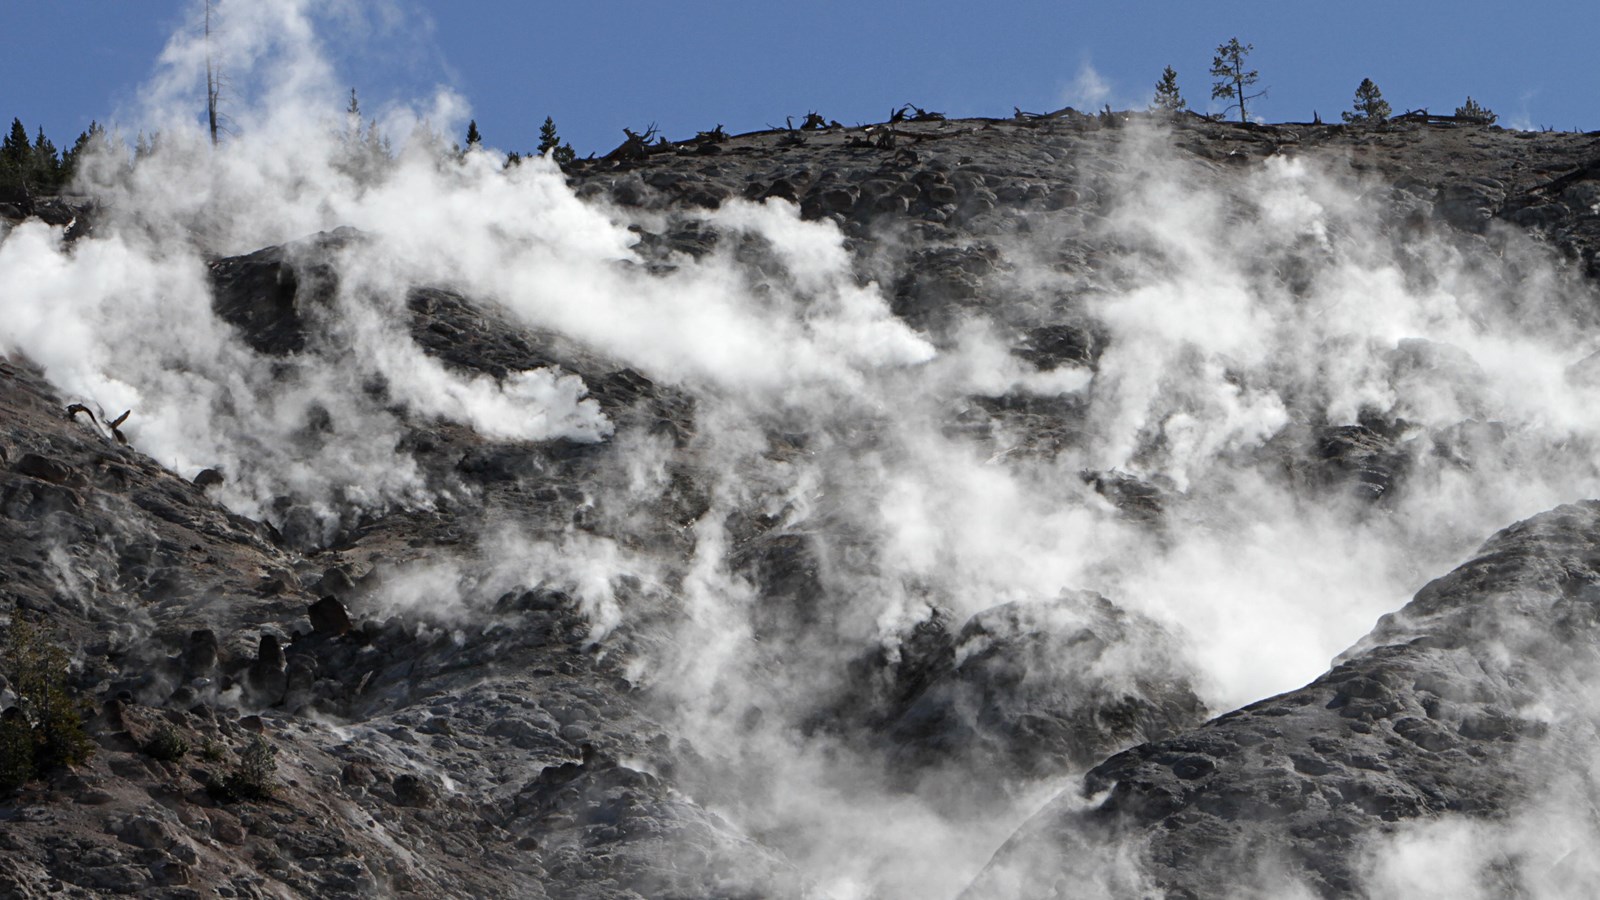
1167,97
550,142
352,120
378,147
1233,80
1472,110
44,730
16,152
45,163
364,152
1370,107
15,156
474,139
87,142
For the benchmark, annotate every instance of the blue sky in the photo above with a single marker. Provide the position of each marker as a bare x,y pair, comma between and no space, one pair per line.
690,64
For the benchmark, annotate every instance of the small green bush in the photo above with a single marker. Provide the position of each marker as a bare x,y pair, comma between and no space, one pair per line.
212,751
253,778
16,750
167,744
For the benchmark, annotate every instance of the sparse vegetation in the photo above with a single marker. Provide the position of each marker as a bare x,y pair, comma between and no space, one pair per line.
1473,110
1167,98
1233,79
16,749
167,744
254,778
1370,107
44,731
212,750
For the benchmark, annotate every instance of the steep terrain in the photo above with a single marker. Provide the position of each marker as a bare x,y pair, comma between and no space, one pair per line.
797,513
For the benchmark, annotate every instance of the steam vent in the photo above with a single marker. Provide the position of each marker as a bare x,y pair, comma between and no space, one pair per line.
1064,505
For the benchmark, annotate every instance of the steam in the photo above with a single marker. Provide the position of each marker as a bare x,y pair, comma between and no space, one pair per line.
1242,309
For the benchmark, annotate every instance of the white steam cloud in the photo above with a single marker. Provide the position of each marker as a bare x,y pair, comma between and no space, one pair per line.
1242,311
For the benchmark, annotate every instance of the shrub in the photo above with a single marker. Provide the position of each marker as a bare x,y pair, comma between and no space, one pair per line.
16,750
167,744
44,731
253,778
1472,110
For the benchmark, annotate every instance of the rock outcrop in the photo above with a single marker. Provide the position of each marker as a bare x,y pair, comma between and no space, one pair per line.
1443,710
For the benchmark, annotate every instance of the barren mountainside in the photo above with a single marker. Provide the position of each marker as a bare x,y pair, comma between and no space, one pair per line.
914,510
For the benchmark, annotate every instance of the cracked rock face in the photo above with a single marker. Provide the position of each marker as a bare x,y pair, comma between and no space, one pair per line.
973,466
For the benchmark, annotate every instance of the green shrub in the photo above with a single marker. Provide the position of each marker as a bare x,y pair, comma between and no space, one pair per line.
44,731
212,751
167,744
253,778
16,750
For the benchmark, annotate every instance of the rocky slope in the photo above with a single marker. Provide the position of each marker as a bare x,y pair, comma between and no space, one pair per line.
602,720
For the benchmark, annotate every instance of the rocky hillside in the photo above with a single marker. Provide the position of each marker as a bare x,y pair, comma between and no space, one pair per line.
879,511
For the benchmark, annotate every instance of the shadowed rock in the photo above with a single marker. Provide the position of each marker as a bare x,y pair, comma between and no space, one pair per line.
328,616
1045,687
267,677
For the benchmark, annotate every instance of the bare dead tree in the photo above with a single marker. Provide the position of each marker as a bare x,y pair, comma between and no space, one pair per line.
213,82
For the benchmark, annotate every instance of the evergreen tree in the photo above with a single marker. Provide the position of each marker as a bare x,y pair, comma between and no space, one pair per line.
474,139
1233,80
1370,107
87,142
550,143
1472,110
46,164
378,146
1167,97
352,120
15,157
16,152
44,730
364,151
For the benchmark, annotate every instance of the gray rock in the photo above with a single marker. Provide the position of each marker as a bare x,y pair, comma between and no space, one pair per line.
1034,690
45,468
145,832
1419,721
